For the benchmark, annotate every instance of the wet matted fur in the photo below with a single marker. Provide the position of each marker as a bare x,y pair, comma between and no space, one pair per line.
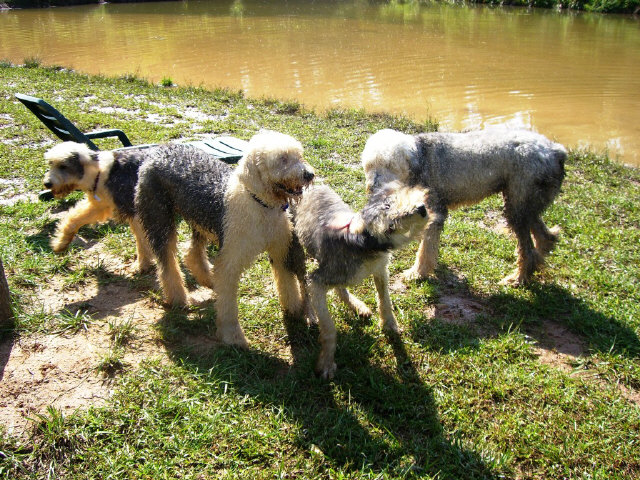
349,247
462,169
242,209
108,180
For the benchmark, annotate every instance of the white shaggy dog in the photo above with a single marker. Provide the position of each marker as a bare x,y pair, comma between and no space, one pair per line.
462,169
241,209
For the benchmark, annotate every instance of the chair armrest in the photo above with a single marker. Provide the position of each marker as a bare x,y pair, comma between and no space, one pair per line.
113,132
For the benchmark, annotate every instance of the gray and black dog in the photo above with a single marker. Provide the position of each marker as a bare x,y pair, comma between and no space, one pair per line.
462,169
243,210
349,246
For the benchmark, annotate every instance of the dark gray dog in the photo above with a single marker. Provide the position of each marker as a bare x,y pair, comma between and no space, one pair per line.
350,246
462,169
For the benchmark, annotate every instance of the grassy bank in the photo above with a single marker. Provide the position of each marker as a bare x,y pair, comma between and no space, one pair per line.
486,381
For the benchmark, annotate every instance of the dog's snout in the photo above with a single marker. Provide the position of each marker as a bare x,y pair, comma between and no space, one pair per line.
422,210
48,184
308,175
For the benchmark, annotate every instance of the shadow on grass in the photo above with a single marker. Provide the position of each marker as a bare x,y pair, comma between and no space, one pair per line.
602,333
366,420
461,318
87,236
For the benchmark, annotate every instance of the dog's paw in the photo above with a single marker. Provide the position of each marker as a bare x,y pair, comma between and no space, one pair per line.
364,311
413,273
556,230
233,337
390,325
310,315
59,245
144,266
514,280
326,369
175,305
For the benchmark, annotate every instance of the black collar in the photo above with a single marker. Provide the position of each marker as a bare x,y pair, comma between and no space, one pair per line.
255,197
95,186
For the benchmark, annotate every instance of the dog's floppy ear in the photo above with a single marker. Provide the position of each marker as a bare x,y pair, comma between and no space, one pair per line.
249,164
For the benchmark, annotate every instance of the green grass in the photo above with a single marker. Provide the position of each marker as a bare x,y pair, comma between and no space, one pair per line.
447,400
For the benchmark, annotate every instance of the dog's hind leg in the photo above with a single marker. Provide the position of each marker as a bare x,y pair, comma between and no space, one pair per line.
427,256
171,277
158,221
143,249
325,366
544,238
353,302
197,260
385,307
83,213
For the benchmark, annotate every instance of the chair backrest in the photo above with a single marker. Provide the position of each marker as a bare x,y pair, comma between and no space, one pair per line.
54,120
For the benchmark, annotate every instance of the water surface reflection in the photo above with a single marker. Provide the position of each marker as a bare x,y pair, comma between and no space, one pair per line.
575,77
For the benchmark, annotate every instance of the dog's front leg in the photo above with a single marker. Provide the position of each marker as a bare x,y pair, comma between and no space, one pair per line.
143,249
326,366
289,275
385,307
233,258
427,256
82,214
354,303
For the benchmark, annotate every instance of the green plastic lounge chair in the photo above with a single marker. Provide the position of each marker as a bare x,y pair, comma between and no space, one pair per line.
63,128
227,149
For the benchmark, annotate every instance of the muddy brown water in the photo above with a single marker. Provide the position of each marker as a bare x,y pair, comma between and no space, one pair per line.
573,77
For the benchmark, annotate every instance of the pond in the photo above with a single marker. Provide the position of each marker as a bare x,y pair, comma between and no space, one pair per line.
573,77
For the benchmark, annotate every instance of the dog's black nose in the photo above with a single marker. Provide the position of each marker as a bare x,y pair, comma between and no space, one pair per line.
48,184
308,176
422,210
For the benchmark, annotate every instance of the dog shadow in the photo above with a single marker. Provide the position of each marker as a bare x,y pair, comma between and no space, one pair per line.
87,236
340,420
114,292
549,314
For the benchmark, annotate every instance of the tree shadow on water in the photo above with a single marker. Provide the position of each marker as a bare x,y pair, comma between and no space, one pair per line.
367,419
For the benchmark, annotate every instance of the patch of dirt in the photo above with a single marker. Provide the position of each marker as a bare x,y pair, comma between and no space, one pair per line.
495,222
13,191
557,346
61,370
457,309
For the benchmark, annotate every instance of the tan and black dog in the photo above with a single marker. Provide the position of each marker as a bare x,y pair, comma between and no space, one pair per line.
108,180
